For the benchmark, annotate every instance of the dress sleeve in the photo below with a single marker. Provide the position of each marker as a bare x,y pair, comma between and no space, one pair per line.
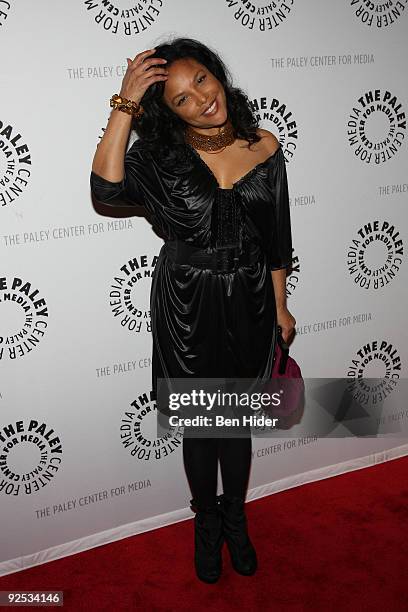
280,252
129,191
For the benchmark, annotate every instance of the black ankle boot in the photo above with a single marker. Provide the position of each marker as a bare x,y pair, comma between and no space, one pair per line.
208,539
243,554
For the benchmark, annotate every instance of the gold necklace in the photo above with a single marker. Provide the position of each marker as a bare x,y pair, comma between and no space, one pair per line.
212,142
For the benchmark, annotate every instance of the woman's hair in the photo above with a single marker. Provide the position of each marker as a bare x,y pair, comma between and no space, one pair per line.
161,128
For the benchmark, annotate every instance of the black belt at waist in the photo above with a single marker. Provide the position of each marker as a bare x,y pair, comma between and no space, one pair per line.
220,259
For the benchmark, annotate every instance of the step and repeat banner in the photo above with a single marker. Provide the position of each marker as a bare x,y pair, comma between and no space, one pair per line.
79,464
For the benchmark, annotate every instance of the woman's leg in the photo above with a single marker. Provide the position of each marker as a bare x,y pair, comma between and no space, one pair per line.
235,460
201,464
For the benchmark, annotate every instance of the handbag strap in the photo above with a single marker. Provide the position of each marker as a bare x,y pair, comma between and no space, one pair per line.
285,351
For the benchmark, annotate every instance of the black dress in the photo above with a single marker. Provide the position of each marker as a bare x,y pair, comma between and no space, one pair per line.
208,323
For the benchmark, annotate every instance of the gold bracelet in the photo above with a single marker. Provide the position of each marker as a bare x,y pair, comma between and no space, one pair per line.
127,106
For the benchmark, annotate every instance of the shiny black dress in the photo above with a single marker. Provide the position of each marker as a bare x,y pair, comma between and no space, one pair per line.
206,323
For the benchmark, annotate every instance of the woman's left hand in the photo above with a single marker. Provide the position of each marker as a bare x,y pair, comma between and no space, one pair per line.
287,322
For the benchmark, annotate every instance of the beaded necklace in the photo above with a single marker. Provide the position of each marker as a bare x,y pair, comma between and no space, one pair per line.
213,142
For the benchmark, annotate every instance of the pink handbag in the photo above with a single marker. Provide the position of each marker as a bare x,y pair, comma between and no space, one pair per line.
291,409
283,364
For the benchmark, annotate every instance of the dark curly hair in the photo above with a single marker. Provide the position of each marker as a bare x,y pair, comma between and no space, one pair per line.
160,128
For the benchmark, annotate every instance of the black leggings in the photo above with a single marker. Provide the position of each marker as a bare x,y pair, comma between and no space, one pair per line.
201,464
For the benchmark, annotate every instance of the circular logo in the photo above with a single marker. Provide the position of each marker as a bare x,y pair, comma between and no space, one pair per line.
275,115
130,292
30,457
260,15
374,372
378,13
374,256
15,164
376,126
24,317
376,359
124,17
138,431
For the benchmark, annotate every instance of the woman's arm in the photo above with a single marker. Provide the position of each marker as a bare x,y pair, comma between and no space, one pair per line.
108,161
142,72
115,172
284,318
281,242
279,287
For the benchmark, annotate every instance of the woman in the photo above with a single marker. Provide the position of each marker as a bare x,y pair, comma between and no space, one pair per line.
215,187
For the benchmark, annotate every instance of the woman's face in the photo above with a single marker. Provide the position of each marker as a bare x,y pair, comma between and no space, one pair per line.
194,94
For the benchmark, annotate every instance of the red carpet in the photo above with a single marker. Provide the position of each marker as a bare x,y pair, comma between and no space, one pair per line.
339,544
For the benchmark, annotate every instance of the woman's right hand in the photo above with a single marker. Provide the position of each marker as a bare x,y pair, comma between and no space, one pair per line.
140,75
108,161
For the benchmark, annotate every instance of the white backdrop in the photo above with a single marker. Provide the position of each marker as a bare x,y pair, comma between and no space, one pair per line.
329,79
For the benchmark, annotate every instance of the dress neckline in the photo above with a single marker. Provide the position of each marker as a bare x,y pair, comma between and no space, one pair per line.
243,178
